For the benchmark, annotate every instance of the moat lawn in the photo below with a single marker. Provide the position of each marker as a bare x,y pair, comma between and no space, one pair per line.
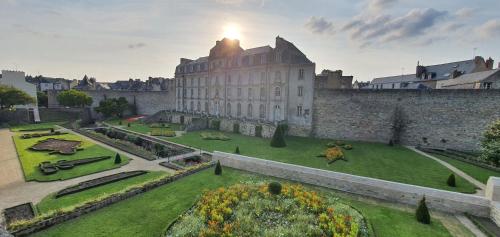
138,126
374,160
150,213
31,159
479,173
50,203
47,126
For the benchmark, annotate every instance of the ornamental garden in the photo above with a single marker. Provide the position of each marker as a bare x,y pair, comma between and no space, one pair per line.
193,196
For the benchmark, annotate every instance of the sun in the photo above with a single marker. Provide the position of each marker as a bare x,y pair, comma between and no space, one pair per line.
232,31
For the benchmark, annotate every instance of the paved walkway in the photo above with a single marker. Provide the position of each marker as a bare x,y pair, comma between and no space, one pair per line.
455,170
10,168
22,192
469,225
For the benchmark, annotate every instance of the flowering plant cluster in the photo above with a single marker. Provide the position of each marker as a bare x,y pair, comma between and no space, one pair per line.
251,210
333,154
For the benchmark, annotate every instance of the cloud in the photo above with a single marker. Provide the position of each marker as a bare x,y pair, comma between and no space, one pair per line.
465,12
136,45
320,25
489,29
239,2
453,27
380,5
386,28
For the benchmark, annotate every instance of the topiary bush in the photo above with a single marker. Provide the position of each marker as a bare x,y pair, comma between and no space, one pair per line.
274,188
422,212
278,139
218,169
348,147
128,125
237,151
391,143
451,180
118,159
120,122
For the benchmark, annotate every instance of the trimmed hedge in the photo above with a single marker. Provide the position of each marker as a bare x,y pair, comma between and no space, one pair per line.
278,139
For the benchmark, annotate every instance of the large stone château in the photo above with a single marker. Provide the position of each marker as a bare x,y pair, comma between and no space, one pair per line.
263,83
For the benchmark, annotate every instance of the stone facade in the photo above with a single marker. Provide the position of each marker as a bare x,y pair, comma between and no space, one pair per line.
395,192
439,118
147,103
265,84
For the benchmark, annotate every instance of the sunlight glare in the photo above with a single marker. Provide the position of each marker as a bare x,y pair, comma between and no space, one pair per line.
232,31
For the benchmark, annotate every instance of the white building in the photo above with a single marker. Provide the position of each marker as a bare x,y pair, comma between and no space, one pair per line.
263,83
17,80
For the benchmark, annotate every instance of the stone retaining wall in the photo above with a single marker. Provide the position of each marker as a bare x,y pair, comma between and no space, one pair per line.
391,191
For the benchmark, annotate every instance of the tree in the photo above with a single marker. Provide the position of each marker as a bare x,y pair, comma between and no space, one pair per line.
74,98
118,159
158,149
237,151
10,96
491,144
112,107
278,139
422,212
43,99
451,181
218,169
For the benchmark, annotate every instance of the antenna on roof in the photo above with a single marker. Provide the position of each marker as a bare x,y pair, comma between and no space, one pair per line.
474,53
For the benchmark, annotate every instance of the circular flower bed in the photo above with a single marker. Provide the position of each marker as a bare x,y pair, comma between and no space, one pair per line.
250,210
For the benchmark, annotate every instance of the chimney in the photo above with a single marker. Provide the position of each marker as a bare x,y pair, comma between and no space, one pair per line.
489,63
420,71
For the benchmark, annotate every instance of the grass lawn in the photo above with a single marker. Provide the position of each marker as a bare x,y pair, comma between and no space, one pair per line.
479,173
150,213
374,160
35,126
50,203
140,127
30,159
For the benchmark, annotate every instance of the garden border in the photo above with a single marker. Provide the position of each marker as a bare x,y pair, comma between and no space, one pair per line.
87,208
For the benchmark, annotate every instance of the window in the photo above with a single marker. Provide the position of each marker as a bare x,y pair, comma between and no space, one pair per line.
300,90
381,86
238,110
228,110
239,92
301,74
229,79
299,110
249,111
262,93
262,111
198,82
250,78
206,107
250,95
198,107
228,92
206,93
216,92
191,81
277,91
199,93
392,85
277,57
277,77
191,106
192,93
487,85
262,77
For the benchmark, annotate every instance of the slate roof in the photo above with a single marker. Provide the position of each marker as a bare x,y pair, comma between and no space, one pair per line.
443,71
469,78
395,79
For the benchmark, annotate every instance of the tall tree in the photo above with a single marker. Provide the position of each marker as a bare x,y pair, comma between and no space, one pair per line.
10,96
112,107
74,98
43,99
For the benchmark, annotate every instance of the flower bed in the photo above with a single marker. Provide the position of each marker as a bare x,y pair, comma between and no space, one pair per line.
33,135
251,210
48,168
171,165
65,147
98,182
214,136
193,160
162,131
18,213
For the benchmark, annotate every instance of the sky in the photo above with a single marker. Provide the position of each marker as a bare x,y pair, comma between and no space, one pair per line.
121,39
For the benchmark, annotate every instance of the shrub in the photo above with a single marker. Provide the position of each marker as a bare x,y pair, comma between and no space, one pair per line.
237,151
339,143
214,136
164,132
215,124
451,181
138,141
491,152
492,133
278,139
218,169
130,138
118,159
258,131
334,154
51,130
236,127
422,212
331,144
120,122
128,125
391,143
348,147
274,188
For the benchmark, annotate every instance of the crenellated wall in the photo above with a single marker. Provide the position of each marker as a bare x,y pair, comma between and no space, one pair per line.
439,118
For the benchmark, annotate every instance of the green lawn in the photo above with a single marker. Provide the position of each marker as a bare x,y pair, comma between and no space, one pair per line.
140,127
150,213
30,159
374,160
479,173
36,126
50,203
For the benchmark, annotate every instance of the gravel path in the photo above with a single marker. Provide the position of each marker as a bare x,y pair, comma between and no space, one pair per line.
10,168
22,192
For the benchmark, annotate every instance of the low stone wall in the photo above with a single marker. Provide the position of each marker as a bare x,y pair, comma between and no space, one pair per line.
391,191
247,127
60,218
